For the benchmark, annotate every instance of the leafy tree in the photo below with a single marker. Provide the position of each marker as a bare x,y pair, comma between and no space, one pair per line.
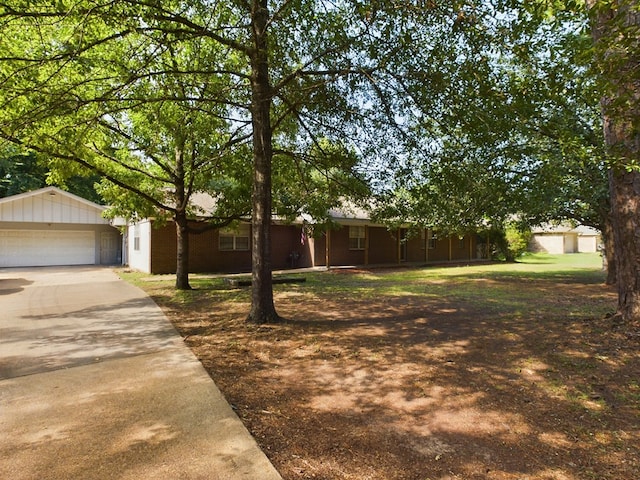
309,184
20,173
386,82
517,239
560,116
157,97
616,34
517,138
24,172
106,90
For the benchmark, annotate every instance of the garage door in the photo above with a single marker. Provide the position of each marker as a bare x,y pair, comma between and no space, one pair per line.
32,248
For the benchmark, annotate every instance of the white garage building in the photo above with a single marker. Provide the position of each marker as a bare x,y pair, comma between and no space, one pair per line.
564,238
52,227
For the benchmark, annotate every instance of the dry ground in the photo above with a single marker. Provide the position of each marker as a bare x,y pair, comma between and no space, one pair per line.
427,374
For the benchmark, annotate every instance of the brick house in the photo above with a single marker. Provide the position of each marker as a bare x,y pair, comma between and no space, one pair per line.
357,241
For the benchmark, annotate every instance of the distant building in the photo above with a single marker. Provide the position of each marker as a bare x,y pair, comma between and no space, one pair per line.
564,238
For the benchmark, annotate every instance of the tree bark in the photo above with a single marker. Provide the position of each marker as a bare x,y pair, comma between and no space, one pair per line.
625,198
182,252
262,306
182,222
618,57
609,252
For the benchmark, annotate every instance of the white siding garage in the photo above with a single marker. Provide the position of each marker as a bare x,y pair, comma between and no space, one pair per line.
52,227
564,238
33,248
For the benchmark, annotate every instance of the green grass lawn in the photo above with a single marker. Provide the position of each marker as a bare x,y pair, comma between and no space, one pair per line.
486,285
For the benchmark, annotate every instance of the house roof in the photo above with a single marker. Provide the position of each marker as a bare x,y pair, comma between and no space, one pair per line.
203,201
564,227
350,214
346,214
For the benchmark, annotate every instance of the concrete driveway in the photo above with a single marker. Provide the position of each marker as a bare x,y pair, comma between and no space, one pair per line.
96,384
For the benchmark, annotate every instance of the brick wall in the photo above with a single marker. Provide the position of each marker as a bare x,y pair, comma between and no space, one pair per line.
383,246
206,256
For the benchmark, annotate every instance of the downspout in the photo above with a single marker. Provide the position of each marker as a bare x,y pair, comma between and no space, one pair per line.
150,246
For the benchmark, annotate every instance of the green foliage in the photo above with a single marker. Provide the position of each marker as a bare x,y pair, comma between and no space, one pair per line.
517,240
117,91
20,173
24,172
312,183
120,89
512,129
457,114
616,35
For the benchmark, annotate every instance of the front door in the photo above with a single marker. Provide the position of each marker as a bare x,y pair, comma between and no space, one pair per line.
109,247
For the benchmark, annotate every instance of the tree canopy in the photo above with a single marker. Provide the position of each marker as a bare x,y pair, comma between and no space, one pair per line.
615,28
167,99
23,171
475,110
517,138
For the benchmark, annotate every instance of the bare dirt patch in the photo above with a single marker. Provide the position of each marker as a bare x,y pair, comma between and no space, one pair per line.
359,385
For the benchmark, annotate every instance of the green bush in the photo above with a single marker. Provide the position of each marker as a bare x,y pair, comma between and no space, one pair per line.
517,239
509,242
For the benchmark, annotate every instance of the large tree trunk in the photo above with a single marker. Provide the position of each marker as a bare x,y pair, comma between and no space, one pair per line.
262,307
609,257
182,222
182,252
625,199
618,56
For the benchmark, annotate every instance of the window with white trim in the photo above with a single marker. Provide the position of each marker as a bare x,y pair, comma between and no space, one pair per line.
234,238
432,239
356,238
136,237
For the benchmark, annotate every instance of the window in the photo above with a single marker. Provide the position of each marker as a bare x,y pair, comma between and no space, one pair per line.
356,238
136,237
432,239
236,238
